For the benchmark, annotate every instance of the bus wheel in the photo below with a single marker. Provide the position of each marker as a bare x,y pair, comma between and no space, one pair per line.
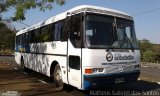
58,78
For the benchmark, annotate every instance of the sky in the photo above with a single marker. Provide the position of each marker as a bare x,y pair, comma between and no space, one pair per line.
147,23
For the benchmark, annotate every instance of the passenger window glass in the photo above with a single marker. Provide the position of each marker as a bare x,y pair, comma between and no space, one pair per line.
32,36
74,62
75,34
45,34
58,30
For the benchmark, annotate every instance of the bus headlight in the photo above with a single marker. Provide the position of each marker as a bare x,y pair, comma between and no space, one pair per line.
136,66
94,70
98,70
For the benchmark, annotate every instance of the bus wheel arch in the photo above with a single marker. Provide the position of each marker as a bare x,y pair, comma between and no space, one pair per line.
53,65
56,75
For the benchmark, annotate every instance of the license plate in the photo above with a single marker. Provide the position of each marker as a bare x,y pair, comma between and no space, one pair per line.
119,80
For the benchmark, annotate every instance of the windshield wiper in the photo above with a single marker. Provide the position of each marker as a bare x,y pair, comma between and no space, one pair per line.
129,41
113,36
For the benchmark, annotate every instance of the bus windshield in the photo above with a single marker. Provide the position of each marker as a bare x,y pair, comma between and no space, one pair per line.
109,32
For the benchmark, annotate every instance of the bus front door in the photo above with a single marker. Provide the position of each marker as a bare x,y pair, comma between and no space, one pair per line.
74,66
75,51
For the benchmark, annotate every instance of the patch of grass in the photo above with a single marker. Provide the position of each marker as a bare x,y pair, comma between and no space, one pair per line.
6,52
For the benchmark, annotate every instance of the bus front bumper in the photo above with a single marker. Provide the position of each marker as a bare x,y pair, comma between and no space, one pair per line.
104,80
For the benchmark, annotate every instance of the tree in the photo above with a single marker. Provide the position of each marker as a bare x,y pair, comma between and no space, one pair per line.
7,37
156,50
22,6
149,52
145,46
148,56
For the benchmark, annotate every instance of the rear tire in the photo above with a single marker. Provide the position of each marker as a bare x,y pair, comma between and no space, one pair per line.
57,76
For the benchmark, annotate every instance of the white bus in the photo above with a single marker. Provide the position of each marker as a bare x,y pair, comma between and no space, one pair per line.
86,47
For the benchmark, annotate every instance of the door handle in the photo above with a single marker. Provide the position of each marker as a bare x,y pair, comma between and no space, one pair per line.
68,70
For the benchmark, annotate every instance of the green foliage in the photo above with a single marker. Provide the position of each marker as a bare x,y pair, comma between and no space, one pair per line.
6,52
148,56
3,6
145,45
46,36
149,51
22,6
156,50
20,13
7,37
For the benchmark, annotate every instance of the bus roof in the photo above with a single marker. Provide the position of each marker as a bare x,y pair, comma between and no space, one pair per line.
76,10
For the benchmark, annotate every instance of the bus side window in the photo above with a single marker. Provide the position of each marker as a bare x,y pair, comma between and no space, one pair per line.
49,28
65,29
75,33
32,37
58,30
17,40
29,37
45,34
37,35
24,39
74,62
52,29
20,39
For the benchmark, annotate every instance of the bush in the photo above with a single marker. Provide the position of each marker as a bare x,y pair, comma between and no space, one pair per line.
6,52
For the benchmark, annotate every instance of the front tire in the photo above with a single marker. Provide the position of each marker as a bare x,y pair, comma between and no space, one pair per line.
58,78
